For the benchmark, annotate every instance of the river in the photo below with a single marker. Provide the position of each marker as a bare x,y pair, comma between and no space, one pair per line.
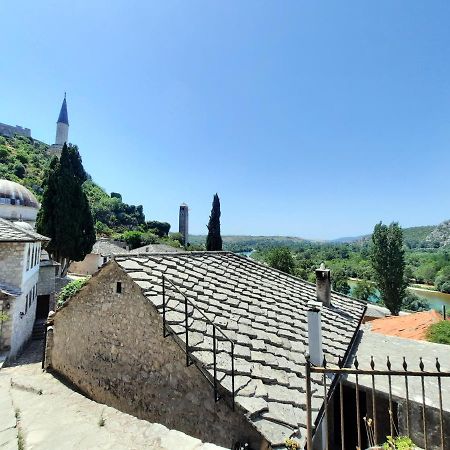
434,298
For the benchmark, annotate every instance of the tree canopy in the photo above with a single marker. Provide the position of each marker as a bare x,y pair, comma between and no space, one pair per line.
214,239
281,259
65,215
388,261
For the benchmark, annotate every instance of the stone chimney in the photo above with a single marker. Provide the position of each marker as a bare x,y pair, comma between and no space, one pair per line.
323,285
315,333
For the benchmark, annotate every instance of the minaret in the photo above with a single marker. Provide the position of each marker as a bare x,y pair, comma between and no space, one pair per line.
184,223
62,130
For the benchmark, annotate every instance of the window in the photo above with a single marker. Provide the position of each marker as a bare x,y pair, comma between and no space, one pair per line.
118,287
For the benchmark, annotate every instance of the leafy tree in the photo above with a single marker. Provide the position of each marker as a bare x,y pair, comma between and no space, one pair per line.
161,228
413,302
281,259
65,216
214,239
388,261
363,290
339,282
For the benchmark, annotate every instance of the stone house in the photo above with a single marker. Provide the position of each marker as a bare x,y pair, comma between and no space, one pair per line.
20,249
216,350
101,253
156,248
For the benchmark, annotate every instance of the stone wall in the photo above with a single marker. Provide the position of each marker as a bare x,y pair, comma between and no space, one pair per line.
88,266
111,346
10,130
6,305
12,260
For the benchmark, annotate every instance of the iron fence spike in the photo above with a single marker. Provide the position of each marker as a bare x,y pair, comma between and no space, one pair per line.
421,365
405,364
388,363
438,364
356,363
372,363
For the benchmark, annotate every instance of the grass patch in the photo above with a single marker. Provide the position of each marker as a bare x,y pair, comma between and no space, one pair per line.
101,421
439,332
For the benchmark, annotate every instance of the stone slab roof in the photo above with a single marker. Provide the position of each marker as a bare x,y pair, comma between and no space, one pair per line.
155,248
380,347
11,232
264,312
104,247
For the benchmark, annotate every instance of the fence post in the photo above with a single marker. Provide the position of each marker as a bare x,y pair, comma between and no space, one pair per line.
308,402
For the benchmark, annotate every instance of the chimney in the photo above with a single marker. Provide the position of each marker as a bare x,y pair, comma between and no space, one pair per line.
323,285
315,333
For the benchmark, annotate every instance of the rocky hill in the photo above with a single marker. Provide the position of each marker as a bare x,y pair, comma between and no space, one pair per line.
440,236
25,160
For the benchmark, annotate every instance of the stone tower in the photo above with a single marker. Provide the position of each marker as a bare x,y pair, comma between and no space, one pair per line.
62,130
184,223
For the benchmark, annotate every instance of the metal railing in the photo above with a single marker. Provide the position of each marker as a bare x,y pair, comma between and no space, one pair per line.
216,332
336,377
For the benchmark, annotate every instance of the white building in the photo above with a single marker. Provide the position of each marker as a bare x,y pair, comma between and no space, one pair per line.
20,250
17,202
62,130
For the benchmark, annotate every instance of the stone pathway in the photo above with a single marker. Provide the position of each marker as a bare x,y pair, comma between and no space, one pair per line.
45,414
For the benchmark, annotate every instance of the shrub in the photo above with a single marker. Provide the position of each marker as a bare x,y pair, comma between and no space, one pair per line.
399,443
4,154
439,332
22,156
19,170
70,289
413,302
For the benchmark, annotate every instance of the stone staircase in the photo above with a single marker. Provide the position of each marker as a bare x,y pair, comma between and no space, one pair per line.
38,330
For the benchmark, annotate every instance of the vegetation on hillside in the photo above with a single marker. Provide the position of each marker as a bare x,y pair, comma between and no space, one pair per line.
26,161
439,332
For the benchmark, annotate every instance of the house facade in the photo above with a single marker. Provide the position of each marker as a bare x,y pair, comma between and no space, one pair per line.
20,249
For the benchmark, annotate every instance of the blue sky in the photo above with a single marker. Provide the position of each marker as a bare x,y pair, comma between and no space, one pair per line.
312,119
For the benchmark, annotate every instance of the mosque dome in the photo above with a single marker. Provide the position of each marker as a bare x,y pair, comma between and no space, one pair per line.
17,202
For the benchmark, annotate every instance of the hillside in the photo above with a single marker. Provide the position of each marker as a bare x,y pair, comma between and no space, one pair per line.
440,236
25,160
248,243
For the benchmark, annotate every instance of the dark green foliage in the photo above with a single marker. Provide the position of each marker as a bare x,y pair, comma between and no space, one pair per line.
70,289
111,211
413,302
65,215
439,332
339,282
214,239
364,290
116,195
388,261
160,228
135,239
280,259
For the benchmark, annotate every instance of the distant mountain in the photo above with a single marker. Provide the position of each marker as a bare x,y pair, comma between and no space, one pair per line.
350,239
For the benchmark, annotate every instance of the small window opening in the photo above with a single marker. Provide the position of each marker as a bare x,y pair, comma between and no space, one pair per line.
118,287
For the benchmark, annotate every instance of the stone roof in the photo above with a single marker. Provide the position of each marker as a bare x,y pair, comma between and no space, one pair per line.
104,247
380,347
11,232
264,312
156,248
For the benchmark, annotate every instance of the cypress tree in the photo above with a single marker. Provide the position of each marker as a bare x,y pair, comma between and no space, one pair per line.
65,215
388,261
214,239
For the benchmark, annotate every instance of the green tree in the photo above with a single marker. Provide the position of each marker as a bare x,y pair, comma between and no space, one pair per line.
363,290
65,216
388,261
281,259
214,239
339,282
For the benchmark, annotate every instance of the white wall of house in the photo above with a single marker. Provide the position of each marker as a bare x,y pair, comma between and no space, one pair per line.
20,269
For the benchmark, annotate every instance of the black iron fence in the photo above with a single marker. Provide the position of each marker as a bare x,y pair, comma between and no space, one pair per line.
180,303
362,407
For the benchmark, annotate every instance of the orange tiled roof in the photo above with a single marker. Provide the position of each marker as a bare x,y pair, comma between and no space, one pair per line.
411,326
